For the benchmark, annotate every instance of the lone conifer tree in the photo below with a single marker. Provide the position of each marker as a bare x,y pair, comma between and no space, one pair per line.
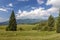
12,23
51,23
58,24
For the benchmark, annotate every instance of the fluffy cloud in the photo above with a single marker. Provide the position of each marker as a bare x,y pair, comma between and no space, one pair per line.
33,7
3,9
19,11
10,4
55,3
40,1
36,14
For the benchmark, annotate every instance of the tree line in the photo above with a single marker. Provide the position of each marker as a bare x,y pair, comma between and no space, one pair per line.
49,27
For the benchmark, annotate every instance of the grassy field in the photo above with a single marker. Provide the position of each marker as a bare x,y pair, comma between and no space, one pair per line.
27,34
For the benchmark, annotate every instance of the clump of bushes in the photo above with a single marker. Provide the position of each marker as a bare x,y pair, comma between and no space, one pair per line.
42,28
34,28
45,28
21,29
38,27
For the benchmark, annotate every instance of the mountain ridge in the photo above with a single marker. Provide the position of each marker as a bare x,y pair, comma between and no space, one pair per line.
23,21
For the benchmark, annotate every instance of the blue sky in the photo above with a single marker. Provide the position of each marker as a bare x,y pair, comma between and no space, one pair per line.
28,9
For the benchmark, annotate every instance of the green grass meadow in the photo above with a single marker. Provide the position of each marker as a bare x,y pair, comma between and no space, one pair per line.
27,34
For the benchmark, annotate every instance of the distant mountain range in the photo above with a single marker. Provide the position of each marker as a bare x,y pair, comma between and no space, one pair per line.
24,21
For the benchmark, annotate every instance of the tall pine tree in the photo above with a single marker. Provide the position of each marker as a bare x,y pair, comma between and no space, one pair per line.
58,24
12,23
51,23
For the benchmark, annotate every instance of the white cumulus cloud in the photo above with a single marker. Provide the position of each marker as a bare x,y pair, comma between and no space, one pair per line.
36,13
40,1
55,3
3,9
33,7
10,4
